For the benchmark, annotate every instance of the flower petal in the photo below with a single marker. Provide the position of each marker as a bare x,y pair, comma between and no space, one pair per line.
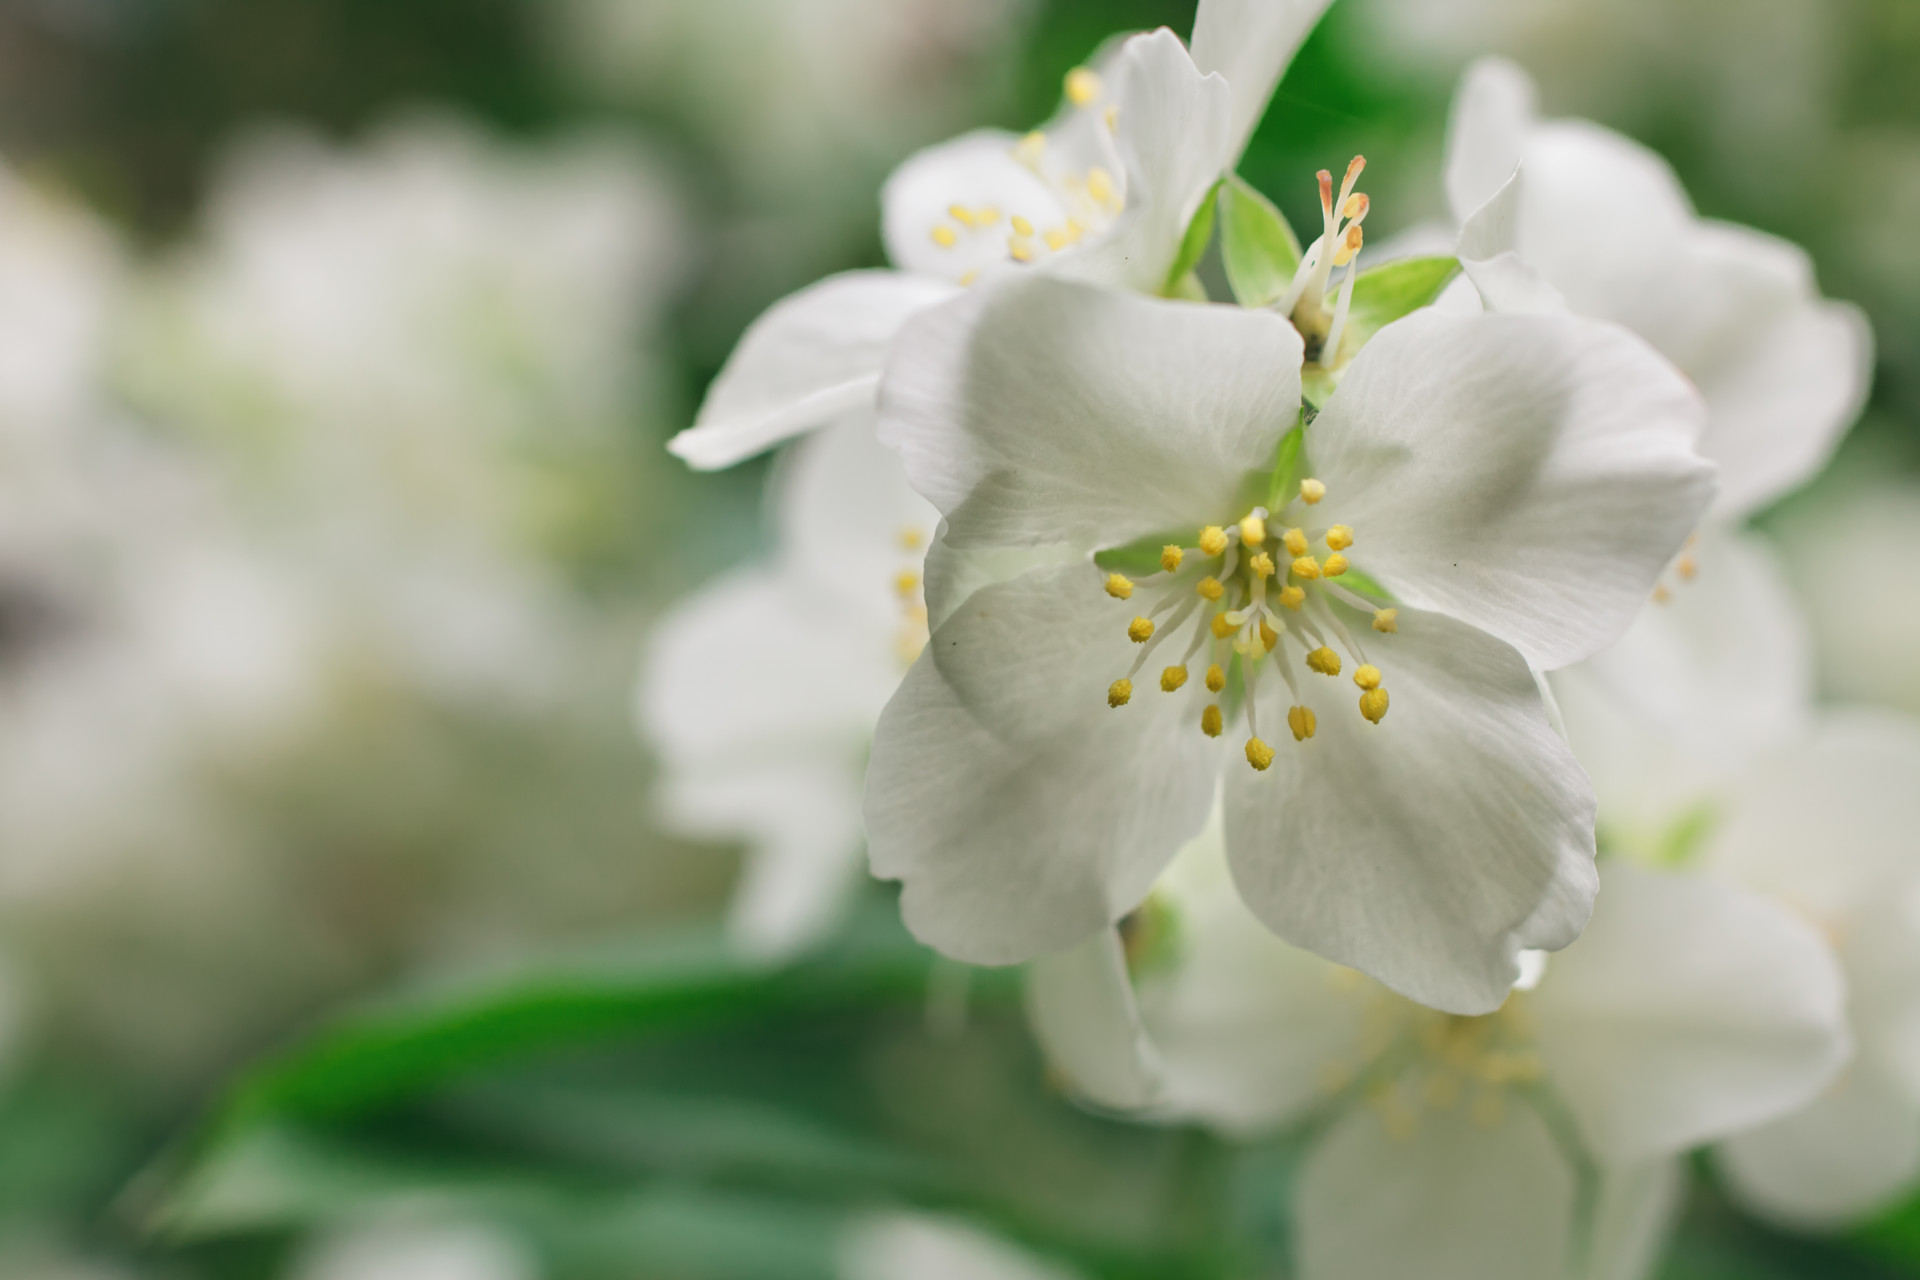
810,359
1251,43
1042,412
1829,824
850,524
1430,849
1453,1200
1635,1214
1174,137
1486,133
1489,255
977,173
1081,1007
1690,1009
1530,475
1020,811
898,1246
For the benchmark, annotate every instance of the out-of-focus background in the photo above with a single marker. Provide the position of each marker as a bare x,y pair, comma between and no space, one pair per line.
339,343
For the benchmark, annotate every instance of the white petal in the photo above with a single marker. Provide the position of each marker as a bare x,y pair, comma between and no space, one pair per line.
1702,683
1636,1212
1250,1032
1429,850
1489,254
1455,1201
1081,1007
954,575
850,523
1828,825
1251,43
1021,812
1880,947
903,1246
977,171
1043,412
1690,1009
1486,133
1852,1154
1531,475
1174,137
810,359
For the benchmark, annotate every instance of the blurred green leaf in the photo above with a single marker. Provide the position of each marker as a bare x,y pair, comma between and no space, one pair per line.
1193,246
1387,292
1257,246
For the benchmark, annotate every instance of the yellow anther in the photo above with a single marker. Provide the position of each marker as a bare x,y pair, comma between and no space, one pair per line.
1356,207
1349,246
1057,238
1311,491
1335,566
968,276
1253,530
1268,636
1140,630
1339,538
1022,250
1386,621
1302,722
1295,542
1292,597
1686,568
1172,678
1373,705
906,582
1083,86
962,215
1223,626
1170,557
1325,661
1031,148
1306,567
1021,227
1367,676
987,215
1259,754
1213,540
911,539
1262,564
1100,185
1210,589
945,236
1210,722
1119,693
1661,595
1119,586
1216,678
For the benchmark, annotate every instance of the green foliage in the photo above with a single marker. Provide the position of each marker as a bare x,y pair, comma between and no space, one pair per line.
1392,290
1257,246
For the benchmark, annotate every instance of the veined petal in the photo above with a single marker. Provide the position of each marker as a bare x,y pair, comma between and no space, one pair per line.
1690,1009
1019,810
1451,1200
952,575
1429,850
1174,136
1530,475
1486,133
1251,43
1043,412
1827,825
978,174
1081,1007
810,359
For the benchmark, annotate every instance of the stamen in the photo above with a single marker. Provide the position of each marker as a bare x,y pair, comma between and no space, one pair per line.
1119,586
1119,693
1223,625
1213,540
1367,677
1216,678
1172,678
1311,491
1292,597
945,236
1339,538
1335,566
1373,705
1262,565
1301,720
1259,755
1170,557
1349,246
1386,621
1100,185
1210,721
1295,542
1031,149
1686,568
911,539
1057,238
1210,589
1325,661
1021,250
906,582
1306,567
1253,528
1140,630
1021,227
1268,636
1083,87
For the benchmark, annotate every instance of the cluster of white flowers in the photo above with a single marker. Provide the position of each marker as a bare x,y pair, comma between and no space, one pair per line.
1572,878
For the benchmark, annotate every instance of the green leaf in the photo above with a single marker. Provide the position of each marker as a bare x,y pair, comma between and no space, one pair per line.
1256,244
1385,293
1192,246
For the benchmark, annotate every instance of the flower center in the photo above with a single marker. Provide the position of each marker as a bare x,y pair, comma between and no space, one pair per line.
1247,591
1305,301
911,633
1076,195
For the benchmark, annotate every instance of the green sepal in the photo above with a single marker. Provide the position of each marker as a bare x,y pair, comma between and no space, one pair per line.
1258,248
1286,469
1387,292
1192,246
1141,557
1190,289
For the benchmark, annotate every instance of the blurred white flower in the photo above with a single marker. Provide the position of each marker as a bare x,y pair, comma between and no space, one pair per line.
402,1247
1454,1147
1605,222
1104,192
1026,804
911,1246
761,692
425,356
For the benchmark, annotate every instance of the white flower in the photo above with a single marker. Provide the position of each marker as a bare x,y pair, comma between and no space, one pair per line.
762,691
406,1248
1499,489
1705,750
1606,225
1453,1147
1105,192
903,1246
